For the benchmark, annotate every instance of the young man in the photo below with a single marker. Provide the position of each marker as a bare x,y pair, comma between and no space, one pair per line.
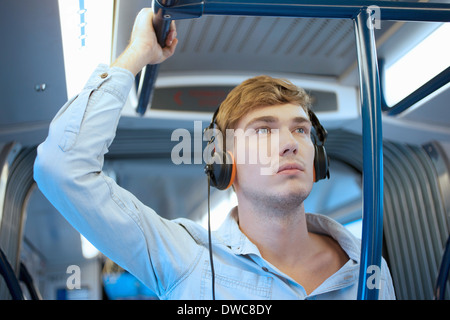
267,248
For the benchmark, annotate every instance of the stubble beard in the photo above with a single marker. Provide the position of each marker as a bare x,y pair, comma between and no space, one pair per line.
277,205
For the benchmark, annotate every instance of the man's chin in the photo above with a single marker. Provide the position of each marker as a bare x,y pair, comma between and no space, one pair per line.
286,199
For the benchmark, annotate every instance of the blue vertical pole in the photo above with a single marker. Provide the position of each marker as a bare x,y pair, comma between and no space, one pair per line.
372,234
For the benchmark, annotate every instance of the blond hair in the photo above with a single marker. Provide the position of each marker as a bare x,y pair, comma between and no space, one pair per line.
260,91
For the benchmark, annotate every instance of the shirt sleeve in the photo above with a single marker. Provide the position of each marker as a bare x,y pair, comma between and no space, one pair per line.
68,171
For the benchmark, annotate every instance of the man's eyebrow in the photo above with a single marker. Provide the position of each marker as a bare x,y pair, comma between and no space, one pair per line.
272,119
301,120
266,119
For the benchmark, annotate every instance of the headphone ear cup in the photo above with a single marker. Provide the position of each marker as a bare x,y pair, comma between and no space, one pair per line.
223,170
321,163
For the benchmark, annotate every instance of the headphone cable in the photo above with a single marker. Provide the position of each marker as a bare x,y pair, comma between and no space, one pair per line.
209,240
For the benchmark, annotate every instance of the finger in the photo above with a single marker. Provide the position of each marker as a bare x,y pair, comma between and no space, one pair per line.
173,26
172,33
170,37
170,50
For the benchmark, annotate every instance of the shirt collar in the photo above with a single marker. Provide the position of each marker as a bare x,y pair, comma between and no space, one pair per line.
230,234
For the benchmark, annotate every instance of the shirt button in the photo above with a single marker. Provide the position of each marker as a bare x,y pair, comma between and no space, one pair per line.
104,75
265,269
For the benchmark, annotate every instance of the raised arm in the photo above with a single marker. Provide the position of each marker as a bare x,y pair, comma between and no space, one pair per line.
68,171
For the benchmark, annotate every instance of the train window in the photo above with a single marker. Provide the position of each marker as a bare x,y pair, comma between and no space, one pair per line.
415,68
340,197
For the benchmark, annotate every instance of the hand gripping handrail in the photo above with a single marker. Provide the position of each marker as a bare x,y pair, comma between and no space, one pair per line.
150,72
161,24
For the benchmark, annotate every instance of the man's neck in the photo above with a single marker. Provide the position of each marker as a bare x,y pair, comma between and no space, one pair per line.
281,237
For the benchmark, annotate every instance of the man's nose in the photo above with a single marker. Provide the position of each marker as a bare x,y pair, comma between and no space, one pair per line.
288,143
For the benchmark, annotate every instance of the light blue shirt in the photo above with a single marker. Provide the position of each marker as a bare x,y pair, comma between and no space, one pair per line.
170,257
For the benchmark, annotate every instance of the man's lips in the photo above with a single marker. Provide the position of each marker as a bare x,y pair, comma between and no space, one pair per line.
290,168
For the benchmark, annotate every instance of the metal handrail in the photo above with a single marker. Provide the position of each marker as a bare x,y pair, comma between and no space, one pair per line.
168,10
27,279
10,278
369,80
444,270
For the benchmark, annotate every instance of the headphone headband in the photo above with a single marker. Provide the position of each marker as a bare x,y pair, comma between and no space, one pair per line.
320,130
213,120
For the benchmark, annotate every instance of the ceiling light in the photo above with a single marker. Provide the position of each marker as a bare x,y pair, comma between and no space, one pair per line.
86,30
418,66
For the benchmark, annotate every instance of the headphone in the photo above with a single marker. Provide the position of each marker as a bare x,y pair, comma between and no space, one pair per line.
321,159
222,169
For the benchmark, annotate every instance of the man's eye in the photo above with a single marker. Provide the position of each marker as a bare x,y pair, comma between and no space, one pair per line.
262,131
302,130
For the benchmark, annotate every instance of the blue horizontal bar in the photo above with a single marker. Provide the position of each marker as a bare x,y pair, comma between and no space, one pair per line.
345,9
